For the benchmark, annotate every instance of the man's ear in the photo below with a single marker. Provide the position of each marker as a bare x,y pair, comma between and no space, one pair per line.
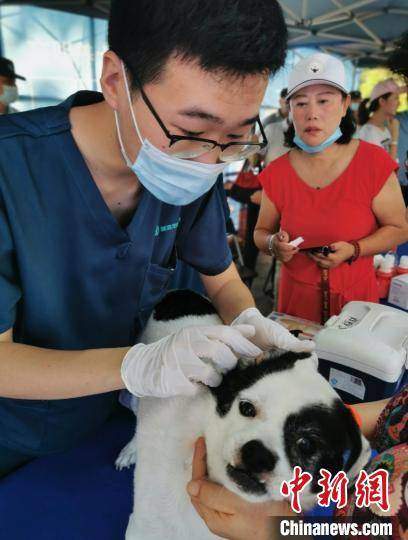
112,80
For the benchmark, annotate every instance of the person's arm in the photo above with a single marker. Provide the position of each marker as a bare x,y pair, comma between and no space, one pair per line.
369,415
390,211
228,293
236,306
393,126
267,225
28,372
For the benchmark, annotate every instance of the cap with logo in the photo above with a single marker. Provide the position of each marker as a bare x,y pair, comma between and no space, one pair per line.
319,68
7,69
389,86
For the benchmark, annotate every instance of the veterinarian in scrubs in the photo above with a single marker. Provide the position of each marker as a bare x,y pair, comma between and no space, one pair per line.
99,198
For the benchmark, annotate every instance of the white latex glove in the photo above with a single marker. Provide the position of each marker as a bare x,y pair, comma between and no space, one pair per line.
171,366
269,334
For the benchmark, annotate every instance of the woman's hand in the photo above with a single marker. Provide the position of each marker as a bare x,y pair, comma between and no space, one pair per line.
281,248
342,251
226,514
256,197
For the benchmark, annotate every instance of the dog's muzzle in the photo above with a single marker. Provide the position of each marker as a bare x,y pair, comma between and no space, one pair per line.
256,460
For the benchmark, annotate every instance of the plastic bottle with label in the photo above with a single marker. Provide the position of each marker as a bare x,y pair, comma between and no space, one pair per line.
402,267
384,274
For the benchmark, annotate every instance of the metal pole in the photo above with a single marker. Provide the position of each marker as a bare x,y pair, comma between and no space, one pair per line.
1,36
93,52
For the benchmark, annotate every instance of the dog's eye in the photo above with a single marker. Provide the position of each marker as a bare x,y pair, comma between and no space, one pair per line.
306,446
247,409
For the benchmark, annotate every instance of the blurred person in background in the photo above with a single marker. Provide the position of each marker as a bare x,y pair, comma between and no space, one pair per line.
275,131
377,119
355,102
281,113
8,86
338,193
398,63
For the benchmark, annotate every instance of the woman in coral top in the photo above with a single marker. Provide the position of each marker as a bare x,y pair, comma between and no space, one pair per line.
340,194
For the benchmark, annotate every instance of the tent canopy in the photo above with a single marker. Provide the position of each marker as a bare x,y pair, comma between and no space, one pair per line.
362,30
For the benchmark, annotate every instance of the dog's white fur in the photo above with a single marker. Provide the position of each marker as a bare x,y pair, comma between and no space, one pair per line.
168,428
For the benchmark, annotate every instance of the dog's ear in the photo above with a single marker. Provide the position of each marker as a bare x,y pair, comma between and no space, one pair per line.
359,447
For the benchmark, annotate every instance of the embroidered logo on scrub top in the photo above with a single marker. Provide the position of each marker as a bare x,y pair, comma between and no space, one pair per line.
166,228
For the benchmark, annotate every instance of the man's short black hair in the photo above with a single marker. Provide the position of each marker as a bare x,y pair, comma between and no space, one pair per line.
284,93
237,37
355,94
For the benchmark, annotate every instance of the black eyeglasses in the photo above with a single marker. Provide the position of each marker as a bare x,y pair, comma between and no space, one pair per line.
191,147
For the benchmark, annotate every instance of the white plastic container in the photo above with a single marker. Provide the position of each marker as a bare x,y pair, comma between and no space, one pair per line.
363,352
398,295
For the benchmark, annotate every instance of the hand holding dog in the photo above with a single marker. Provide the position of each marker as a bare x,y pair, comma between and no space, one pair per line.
269,334
172,365
342,251
227,515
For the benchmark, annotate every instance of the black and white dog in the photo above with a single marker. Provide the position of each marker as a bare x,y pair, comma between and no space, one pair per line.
258,424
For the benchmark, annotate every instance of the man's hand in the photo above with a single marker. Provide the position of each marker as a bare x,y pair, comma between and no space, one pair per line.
269,334
226,514
173,365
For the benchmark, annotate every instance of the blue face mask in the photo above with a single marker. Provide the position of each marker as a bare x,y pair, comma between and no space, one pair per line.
9,95
320,147
171,180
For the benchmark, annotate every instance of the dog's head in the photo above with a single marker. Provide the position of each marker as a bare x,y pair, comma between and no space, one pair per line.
272,416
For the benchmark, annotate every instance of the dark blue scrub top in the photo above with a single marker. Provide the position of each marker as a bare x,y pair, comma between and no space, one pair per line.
70,276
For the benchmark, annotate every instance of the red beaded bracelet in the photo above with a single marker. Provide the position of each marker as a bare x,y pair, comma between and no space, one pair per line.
357,251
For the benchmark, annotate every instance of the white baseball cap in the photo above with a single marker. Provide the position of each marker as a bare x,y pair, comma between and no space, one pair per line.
319,68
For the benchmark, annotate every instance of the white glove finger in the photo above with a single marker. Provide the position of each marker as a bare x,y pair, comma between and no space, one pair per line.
247,330
207,375
234,339
305,345
216,352
285,340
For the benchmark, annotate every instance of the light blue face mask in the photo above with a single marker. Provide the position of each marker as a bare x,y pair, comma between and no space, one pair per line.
354,106
9,95
171,180
320,147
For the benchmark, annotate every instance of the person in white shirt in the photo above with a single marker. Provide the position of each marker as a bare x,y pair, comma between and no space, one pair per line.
275,127
8,86
377,117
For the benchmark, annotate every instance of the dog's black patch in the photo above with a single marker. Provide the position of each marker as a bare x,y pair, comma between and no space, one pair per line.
246,481
240,378
319,437
257,458
181,303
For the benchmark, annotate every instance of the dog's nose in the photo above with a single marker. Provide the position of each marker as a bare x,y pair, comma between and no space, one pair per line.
257,458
